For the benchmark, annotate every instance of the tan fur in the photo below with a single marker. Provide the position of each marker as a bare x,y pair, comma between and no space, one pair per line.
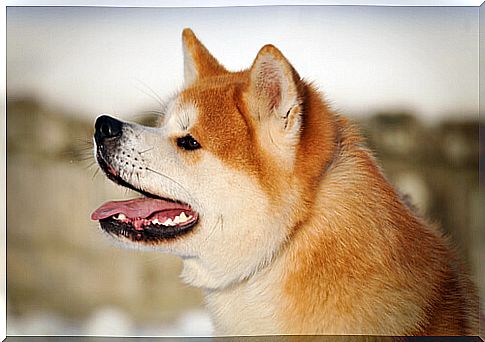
373,259
358,261
324,245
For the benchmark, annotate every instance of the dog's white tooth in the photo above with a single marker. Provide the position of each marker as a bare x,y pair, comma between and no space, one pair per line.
121,216
155,221
169,222
183,217
188,218
176,219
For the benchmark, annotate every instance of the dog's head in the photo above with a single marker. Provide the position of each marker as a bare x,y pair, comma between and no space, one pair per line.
228,172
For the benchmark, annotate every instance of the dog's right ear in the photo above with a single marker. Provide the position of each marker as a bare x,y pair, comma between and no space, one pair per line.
198,62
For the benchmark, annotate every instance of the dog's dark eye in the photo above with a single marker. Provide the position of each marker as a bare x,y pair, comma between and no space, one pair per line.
188,143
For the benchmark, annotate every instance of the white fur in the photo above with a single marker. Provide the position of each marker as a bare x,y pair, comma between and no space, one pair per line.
248,307
190,71
225,247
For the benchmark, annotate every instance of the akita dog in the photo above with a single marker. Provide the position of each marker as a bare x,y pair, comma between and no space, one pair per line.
279,211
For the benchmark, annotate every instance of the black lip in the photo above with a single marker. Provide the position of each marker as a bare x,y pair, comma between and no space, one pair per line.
150,233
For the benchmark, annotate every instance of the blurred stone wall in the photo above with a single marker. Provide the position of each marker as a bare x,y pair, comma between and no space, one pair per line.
59,261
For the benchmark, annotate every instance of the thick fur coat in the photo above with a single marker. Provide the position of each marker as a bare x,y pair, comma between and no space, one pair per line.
298,230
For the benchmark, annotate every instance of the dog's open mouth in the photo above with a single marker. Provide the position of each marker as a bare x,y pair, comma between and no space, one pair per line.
145,218
149,218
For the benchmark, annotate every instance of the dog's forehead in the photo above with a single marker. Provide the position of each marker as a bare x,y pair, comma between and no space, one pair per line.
217,108
218,104
179,115
194,105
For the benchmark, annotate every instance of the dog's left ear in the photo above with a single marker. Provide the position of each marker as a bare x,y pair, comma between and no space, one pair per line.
198,62
275,90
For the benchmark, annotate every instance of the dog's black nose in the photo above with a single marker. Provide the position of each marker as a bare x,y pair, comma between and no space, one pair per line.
107,127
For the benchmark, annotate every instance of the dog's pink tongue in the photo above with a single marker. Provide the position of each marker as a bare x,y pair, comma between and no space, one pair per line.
135,208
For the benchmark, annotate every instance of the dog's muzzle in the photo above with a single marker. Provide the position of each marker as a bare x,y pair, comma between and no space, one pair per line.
149,219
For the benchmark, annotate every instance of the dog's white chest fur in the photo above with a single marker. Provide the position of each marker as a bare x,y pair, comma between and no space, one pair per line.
245,308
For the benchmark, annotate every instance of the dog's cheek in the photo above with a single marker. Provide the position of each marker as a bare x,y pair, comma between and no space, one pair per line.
238,233
190,158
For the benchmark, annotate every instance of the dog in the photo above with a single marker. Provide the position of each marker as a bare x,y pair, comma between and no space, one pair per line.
278,209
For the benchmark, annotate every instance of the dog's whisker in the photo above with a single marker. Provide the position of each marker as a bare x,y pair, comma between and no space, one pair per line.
187,120
85,144
133,173
83,149
151,90
219,219
149,95
95,173
142,129
153,94
138,177
84,140
175,182
149,149
91,164
90,157
154,112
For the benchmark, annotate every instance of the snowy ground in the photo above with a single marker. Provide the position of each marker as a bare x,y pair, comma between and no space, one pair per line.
108,321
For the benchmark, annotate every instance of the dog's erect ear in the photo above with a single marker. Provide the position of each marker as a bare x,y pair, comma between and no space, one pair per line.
198,62
275,89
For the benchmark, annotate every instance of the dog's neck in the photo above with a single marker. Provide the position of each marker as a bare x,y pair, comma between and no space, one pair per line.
249,305
331,245
246,306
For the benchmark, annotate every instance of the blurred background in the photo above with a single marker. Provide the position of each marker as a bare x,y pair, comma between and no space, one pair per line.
407,76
